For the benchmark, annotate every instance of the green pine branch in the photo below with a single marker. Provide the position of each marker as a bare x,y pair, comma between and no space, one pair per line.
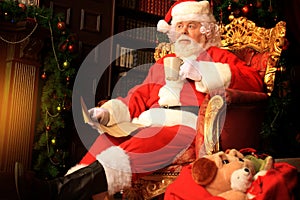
50,155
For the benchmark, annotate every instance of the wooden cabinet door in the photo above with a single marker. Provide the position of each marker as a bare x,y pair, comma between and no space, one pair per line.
19,85
93,22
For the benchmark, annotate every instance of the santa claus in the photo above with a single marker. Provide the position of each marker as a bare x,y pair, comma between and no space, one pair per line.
167,108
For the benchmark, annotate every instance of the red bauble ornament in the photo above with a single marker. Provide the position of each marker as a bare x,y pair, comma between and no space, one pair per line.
245,9
23,6
71,48
48,128
63,47
229,7
61,26
44,76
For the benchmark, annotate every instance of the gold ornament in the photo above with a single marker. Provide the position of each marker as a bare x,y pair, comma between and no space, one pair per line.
231,17
53,141
66,64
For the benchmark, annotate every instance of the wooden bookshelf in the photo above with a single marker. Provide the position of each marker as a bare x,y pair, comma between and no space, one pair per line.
135,26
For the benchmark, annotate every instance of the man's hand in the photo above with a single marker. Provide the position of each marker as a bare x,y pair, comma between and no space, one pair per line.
189,70
100,115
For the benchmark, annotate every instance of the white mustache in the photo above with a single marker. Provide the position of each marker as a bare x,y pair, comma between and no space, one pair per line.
184,37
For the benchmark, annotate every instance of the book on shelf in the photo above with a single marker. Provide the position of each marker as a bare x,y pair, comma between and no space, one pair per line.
122,56
128,60
131,4
126,57
133,28
155,7
117,61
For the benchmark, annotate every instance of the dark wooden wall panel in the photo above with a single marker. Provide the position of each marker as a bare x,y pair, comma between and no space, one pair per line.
93,22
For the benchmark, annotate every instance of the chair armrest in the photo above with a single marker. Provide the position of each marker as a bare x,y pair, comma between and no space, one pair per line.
234,96
211,124
207,125
214,113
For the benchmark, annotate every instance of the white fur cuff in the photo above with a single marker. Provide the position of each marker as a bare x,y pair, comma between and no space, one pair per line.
169,94
117,168
166,117
75,168
214,76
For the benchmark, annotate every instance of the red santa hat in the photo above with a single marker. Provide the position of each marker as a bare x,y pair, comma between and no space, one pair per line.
186,10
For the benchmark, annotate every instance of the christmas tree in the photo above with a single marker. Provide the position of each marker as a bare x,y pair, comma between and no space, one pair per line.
265,13
51,151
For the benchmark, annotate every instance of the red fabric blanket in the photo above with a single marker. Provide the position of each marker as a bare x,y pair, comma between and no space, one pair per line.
278,183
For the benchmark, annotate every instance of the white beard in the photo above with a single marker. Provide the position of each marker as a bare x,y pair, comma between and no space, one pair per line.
187,49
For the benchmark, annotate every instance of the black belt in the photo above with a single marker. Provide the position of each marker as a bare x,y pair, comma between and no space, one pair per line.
192,109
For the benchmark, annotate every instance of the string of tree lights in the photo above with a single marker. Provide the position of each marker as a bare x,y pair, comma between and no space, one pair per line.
50,155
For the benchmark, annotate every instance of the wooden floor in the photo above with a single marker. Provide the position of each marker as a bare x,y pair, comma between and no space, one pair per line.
7,187
8,191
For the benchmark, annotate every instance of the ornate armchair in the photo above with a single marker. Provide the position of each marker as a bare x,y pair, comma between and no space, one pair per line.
233,119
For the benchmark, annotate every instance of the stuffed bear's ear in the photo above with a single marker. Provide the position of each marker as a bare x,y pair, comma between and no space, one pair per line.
204,171
234,152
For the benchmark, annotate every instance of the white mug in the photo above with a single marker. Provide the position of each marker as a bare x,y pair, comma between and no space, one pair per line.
172,67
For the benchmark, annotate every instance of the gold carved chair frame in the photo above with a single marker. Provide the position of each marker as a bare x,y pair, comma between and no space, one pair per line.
239,34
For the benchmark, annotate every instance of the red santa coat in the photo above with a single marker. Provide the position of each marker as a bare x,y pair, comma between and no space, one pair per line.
154,147
146,96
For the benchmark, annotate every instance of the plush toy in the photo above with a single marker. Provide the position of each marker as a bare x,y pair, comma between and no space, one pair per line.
241,179
262,162
226,175
232,176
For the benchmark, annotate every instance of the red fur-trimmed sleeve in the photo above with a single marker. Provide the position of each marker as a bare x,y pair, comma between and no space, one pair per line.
144,96
243,77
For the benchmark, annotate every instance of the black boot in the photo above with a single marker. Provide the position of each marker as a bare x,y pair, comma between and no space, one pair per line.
79,185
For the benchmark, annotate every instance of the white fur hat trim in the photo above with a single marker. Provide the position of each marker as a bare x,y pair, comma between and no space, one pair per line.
192,10
163,26
186,11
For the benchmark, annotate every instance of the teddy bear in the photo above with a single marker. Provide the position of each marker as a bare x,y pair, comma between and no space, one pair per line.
242,179
230,175
224,174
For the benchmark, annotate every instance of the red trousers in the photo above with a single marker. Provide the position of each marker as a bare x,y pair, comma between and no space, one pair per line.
148,148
